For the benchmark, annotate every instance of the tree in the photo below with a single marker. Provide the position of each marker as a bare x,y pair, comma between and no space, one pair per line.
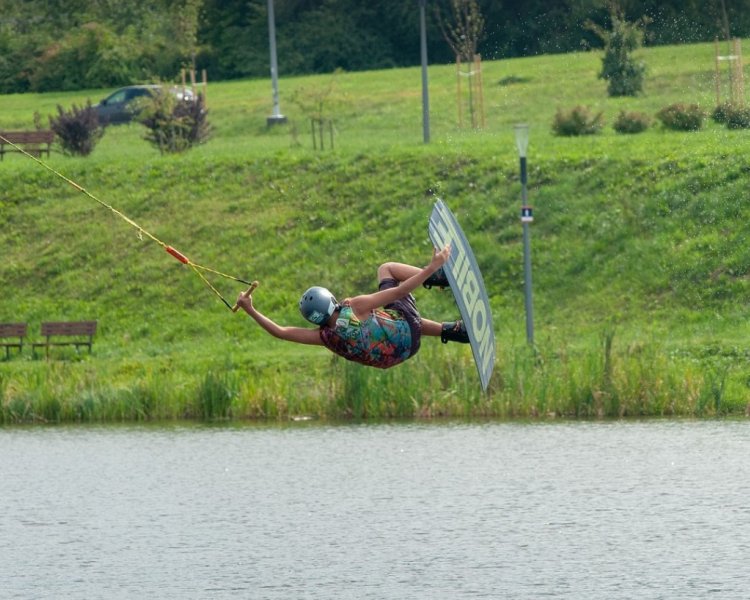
623,73
464,31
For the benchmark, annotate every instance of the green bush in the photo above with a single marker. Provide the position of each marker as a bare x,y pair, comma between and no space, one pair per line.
720,113
78,129
631,122
682,117
174,125
738,117
733,116
577,121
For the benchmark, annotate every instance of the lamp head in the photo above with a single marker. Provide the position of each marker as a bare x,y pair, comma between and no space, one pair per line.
522,138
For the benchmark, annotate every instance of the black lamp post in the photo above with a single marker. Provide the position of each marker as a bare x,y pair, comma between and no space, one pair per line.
522,144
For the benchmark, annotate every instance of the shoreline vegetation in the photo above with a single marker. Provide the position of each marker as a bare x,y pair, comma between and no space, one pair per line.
599,382
639,249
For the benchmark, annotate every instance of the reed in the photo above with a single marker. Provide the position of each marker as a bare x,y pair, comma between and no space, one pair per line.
215,394
599,379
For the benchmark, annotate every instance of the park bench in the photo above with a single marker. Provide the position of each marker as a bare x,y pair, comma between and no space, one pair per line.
35,143
66,333
12,330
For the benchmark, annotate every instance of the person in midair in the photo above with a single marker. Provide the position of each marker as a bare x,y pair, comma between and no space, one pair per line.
381,329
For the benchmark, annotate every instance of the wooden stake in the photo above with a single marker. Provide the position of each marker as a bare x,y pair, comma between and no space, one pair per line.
480,94
717,75
739,79
458,86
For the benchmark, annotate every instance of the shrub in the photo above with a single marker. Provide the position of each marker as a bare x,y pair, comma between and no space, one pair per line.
738,117
78,129
631,122
682,117
174,125
720,113
735,117
577,121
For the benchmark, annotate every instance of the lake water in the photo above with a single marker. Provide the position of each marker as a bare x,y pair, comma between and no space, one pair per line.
657,509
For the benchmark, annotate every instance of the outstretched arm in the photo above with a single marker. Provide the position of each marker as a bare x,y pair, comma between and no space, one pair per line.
362,305
301,335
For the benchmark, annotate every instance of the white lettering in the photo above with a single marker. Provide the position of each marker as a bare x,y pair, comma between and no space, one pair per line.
462,266
441,233
470,292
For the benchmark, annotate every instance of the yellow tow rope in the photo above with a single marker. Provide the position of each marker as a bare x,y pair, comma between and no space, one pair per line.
141,232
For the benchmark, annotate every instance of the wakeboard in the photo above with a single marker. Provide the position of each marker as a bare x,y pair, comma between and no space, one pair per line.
468,289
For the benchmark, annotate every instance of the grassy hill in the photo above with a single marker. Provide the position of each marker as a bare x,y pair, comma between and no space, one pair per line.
638,246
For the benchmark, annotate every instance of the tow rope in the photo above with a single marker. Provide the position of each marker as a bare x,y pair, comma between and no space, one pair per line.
141,232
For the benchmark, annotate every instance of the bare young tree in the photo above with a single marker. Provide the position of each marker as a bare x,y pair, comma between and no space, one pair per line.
463,32
464,29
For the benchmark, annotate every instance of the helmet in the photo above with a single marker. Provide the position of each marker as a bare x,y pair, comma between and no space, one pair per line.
317,305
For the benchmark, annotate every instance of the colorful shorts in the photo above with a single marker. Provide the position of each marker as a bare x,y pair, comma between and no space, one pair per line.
407,306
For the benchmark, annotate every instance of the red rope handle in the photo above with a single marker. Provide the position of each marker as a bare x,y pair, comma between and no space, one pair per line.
177,254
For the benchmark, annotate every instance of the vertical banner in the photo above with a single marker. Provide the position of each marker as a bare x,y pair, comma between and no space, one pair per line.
467,286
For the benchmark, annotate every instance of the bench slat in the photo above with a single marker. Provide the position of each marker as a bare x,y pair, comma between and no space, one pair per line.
42,136
69,328
13,330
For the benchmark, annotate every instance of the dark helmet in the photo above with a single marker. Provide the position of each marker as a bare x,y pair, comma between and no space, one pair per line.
317,305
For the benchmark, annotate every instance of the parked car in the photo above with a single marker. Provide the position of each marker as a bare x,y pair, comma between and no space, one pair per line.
121,106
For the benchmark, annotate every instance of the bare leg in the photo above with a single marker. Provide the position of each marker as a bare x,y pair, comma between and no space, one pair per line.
401,272
398,271
432,328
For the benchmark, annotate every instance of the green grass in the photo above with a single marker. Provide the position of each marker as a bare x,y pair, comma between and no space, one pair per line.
639,240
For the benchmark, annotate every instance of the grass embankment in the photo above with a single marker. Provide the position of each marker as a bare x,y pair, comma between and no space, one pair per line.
640,261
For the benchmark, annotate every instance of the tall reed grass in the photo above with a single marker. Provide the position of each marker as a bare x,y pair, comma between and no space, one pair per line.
602,379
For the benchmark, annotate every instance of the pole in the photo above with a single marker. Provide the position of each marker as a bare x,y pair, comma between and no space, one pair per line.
425,91
276,117
739,78
717,76
522,143
526,219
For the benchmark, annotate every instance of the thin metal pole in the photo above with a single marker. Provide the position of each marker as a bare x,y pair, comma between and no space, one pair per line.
276,117
527,258
425,90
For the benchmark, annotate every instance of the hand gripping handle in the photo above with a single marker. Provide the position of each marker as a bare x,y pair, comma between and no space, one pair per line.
245,294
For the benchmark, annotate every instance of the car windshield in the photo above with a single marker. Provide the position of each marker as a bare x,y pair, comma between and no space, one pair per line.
117,97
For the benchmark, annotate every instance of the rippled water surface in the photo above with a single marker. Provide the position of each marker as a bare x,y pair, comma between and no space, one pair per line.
657,509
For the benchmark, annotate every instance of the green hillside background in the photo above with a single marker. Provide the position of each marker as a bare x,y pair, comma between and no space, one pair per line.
639,250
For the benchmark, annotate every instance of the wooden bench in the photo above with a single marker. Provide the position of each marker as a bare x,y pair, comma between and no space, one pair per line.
35,143
12,330
66,329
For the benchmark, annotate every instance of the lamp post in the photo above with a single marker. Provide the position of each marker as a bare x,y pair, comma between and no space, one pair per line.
276,117
425,92
522,144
